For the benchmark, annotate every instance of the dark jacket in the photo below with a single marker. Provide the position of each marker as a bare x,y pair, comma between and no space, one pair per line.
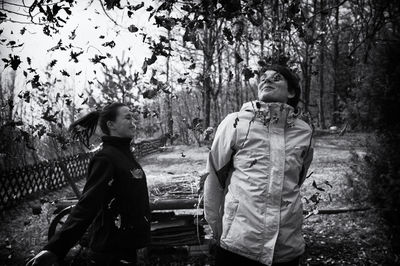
114,200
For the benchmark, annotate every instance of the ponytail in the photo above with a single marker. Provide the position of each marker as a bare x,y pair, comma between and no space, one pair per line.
83,128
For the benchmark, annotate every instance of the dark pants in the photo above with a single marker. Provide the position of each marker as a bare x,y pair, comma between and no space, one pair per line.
224,257
102,259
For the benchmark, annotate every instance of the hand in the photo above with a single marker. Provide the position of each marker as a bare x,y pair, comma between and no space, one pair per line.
43,258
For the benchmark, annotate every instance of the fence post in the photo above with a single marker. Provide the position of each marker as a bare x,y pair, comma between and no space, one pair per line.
68,177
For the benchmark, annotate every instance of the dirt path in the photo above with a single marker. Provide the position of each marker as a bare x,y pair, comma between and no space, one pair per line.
342,239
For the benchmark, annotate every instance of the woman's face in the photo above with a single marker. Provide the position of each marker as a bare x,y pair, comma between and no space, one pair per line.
123,126
273,87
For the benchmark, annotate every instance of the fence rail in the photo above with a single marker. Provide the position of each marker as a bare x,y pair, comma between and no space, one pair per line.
17,183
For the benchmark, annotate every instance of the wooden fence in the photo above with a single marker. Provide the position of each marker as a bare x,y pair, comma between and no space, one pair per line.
15,184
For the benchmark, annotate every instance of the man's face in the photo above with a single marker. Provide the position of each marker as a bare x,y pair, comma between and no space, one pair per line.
273,87
123,126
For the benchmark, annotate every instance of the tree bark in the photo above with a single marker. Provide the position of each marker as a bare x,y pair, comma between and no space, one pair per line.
170,120
321,114
335,116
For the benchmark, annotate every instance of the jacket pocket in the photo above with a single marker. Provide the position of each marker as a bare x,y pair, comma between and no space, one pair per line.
230,209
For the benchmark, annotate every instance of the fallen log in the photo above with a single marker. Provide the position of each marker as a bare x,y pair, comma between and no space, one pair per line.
333,211
175,204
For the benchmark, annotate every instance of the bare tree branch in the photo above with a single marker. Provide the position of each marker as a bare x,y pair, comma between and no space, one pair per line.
105,12
13,12
12,4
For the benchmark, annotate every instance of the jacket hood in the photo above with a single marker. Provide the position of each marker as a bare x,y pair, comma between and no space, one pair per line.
271,112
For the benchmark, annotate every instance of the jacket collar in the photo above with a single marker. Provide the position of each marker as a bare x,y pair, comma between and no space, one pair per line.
120,143
278,113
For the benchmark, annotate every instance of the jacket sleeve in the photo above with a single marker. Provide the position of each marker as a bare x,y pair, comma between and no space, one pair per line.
219,165
100,172
307,162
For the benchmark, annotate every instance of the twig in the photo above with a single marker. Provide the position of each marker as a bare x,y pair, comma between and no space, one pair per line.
23,22
13,12
12,4
326,9
105,12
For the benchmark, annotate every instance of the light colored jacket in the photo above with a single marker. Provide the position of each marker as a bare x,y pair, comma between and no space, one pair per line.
257,163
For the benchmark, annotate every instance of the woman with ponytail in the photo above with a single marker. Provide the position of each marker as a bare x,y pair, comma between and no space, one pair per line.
114,200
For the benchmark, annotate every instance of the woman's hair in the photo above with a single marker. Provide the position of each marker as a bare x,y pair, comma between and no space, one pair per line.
292,80
84,127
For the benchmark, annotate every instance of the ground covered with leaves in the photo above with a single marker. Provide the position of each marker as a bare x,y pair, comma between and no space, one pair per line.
351,238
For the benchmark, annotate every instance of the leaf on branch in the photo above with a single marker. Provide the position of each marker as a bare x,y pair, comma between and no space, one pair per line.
111,44
136,7
73,34
164,87
58,46
166,22
144,67
67,10
149,94
35,81
248,74
46,30
14,61
56,8
62,140
189,35
53,63
151,60
165,39
132,28
74,56
64,73
238,58
3,16
41,130
26,96
228,35
97,59
110,4
68,102
154,81
192,66
230,75
48,117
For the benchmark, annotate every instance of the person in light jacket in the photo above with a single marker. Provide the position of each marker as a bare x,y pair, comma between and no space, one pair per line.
258,161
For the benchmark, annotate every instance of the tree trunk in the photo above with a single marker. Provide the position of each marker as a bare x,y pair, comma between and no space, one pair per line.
237,77
170,121
208,52
321,114
335,117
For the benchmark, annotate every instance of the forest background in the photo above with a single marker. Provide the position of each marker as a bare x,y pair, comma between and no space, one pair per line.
183,65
